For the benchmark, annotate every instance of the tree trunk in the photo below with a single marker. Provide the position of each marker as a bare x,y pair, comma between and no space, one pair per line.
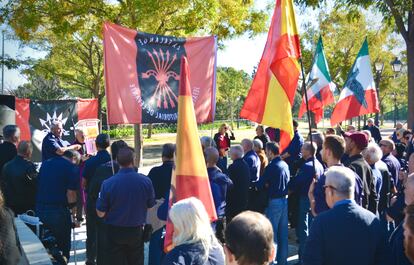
138,142
149,130
410,73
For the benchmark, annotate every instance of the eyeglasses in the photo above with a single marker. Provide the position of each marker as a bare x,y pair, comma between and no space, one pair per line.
407,137
328,186
380,145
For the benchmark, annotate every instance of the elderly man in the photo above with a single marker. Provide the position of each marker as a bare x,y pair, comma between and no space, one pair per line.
375,131
355,143
53,145
387,146
8,150
238,194
20,176
253,161
299,184
397,237
394,137
276,178
219,183
123,201
359,232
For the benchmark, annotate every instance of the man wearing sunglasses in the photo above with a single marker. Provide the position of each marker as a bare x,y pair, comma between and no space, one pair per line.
347,233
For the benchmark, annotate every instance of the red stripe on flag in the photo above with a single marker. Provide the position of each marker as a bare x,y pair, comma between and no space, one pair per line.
22,109
350,107
185,87
87,109
287,73
189,186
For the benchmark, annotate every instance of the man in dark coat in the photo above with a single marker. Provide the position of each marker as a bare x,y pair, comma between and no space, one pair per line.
355,143
20,176
375,131
362,239
8,150
393,165
237,196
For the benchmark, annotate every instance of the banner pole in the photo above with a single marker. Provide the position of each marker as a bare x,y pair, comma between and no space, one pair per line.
307,109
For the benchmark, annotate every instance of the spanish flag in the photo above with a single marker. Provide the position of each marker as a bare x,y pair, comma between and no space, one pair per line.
270,99
189,177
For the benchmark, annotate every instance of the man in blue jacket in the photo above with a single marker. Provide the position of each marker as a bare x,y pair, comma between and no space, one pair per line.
219,183
347,233
311,169
276,177
291,155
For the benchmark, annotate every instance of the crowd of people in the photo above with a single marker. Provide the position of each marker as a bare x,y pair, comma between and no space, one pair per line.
349,195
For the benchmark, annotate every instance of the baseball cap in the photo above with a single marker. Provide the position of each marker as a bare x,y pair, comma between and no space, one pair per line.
359,138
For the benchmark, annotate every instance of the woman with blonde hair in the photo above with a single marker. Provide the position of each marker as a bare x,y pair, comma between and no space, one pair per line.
193,239
223,142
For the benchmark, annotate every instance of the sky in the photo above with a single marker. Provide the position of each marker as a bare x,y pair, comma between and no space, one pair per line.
242,53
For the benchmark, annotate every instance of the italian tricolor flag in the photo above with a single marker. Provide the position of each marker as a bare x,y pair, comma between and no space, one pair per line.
359,96
321,87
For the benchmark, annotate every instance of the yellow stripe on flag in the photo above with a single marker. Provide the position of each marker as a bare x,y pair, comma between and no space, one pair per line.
288,18
278,110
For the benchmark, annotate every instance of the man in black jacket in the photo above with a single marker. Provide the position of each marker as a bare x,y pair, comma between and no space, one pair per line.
20,180
375,131
8,150
102,173
355,143
237,195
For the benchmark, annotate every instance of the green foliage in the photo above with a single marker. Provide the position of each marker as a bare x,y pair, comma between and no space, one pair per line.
71,30
232,88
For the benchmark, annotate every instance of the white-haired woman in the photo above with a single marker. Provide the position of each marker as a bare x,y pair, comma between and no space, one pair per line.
193,239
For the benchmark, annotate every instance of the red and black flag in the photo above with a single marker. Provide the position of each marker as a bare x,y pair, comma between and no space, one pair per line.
34,117
142,75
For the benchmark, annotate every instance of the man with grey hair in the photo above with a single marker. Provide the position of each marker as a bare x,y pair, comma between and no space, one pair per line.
238,194
8,150
373,128
20,180
372,154
258,148
394,166
53,145
219,183
359,231
252,159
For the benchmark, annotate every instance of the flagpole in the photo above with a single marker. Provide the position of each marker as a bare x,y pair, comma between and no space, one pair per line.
307,110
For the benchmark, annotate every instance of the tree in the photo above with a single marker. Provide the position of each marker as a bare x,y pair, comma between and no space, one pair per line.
399,13
71,30
233,86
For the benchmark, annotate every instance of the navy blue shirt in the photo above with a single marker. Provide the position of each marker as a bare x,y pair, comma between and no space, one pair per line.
161,178
125,198
393,166
219,184
294,149
93,163
301,182
50,145
253,161
56,176
277,175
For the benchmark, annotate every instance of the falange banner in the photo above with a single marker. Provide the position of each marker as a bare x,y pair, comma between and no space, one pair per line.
142,75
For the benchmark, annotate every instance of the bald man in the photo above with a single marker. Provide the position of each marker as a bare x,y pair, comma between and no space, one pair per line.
219,183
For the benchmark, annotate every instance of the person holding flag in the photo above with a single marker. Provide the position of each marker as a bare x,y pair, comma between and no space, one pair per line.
320,85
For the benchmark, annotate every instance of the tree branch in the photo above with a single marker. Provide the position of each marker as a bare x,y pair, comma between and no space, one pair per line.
398,19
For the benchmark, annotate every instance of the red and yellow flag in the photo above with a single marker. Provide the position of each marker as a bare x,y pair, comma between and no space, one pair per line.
270,99
189,177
